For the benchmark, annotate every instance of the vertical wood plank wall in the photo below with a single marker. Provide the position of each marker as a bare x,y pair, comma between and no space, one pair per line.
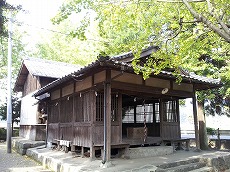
62,127
169,130
31,84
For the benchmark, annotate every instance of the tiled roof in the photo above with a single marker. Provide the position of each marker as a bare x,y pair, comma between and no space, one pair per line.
128,56
43,68
204,82
48,68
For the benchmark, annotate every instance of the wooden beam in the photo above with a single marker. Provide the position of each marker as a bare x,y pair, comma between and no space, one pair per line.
194,102
151,91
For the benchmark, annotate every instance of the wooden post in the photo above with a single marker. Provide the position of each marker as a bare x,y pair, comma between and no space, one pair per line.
107,118
92,120
120,115
194,102
135,113
92,152
73,148
108,114
154,113
218,139
82,151
178,115
161,118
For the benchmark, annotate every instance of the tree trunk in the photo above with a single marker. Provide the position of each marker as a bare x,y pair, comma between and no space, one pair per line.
202,127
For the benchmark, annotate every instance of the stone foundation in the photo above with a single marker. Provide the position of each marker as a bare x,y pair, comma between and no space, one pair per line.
21,145
151,151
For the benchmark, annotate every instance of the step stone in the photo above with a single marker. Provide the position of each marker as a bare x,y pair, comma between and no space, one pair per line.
142,152
204,169
183,168
178,163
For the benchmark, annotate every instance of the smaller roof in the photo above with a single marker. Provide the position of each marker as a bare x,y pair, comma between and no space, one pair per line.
43,68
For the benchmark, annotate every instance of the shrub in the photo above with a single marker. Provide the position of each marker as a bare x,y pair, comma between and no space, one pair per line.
2,134
210,131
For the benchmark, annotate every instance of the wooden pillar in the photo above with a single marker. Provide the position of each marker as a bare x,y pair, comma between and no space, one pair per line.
161,118
178,115
107,117
92,120
194,102
73,118
154,113
120,116
73,148
59,116
48,111
92,152
82,151
135,113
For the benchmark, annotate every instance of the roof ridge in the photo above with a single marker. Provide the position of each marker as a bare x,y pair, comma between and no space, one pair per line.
50,61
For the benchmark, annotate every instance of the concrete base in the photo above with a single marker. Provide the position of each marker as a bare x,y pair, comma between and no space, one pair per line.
106,164
21,144
63,162
153,151
149,168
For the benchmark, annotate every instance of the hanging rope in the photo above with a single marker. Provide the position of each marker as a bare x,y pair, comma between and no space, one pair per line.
145,127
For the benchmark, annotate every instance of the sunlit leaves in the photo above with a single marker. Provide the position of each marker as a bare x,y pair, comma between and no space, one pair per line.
182,38
68,45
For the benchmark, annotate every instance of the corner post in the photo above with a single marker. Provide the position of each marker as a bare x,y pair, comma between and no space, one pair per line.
107,117
194,102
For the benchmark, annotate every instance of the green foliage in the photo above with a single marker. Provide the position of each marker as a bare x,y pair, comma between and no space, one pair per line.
190,35
16,106
18,48
4,8
210,131
18,52
61,46
2,134
182,102
133,25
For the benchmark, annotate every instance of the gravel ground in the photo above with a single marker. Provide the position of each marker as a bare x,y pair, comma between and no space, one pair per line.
16,163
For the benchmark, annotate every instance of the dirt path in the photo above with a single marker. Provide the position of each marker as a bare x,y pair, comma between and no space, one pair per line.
16,163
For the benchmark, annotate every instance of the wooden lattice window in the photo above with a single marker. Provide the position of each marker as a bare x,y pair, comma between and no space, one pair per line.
144,110
157,112
128,114
170,111
100,107
114,107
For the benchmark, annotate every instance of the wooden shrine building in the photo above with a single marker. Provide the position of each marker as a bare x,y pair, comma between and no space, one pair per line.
34,74
106,105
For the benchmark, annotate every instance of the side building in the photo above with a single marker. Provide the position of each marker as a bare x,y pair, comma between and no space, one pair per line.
34,74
